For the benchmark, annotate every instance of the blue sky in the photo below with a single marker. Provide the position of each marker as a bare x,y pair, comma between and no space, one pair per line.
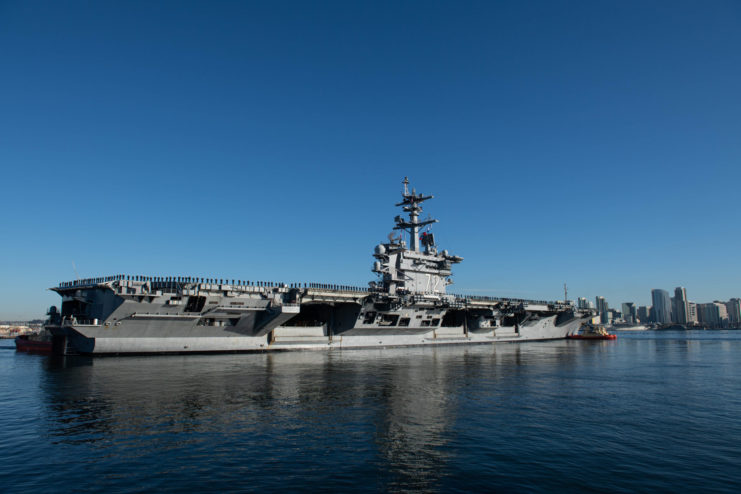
594,143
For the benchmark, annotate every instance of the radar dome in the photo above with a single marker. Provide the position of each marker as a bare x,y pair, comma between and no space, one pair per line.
380,249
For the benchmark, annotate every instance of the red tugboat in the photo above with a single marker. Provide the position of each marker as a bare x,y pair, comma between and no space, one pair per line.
590,332
33,343
40,342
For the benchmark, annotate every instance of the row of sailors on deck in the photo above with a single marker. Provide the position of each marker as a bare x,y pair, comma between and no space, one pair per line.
168,280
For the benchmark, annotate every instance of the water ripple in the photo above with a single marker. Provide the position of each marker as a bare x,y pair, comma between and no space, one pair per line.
648,412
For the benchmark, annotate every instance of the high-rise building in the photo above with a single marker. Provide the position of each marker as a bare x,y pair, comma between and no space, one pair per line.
613,315
713,315
733,307
662,306
629,312
642,314
691,312
679,306
602,308
582,303
707,315
722,313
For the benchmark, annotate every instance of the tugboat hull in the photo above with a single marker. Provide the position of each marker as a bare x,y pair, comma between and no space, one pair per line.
595,337
25,344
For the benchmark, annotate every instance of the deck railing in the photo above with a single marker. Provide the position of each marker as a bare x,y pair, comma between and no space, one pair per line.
177,283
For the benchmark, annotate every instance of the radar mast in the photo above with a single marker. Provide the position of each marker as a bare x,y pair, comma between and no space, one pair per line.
407,270
411,204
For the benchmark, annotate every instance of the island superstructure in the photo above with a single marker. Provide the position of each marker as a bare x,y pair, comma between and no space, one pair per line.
408,304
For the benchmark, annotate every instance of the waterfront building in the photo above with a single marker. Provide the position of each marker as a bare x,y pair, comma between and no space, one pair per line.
602,309
691,312
629,312
662,306
722,313
707,315
642,314
582,303
613,316
679,305
712,315
733,307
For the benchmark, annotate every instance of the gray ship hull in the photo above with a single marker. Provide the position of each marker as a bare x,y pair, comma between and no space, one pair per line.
153,337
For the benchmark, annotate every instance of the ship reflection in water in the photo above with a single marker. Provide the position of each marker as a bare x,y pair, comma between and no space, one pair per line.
390,412
522,416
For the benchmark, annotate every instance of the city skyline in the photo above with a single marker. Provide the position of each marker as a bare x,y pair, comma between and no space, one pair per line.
269,141
669,310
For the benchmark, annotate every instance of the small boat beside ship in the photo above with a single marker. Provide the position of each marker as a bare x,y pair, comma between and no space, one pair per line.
34,343
39,342
589,332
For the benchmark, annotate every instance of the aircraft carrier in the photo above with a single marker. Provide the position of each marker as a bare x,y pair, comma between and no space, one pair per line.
408,305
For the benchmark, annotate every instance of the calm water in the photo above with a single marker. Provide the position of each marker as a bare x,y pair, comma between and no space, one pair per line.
648,412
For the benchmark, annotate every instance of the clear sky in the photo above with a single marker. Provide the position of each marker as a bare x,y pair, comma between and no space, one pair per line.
596,143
